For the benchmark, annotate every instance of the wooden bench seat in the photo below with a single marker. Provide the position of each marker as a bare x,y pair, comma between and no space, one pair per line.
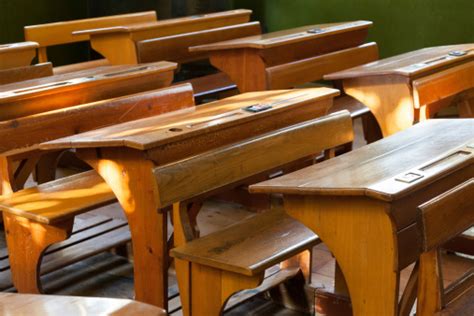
216,266
37,217
270,238
56,305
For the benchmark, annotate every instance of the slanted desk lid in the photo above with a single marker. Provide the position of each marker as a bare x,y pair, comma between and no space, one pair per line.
411,64
387,169
179,125
286,36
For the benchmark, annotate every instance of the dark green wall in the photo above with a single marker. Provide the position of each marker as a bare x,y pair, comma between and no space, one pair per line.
399,25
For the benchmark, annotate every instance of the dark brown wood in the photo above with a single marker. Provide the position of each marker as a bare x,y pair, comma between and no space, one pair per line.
25,73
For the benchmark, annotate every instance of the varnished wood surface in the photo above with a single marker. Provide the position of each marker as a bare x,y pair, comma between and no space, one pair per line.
26,133
231,164
265,238
447,215
55,305
174,127
176,47
25,73
50,34
372,170
59,91
289,36
60,199
172,23
410,64
17,54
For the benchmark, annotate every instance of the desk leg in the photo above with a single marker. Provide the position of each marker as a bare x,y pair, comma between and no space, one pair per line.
131,178
244,67
389,99
359,234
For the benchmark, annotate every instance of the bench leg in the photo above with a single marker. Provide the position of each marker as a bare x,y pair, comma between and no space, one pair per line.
371,128
27,241
430,284
211,288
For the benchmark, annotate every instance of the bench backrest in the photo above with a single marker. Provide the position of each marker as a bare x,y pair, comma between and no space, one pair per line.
447,215
31,130
58,33
205,173
25,73
176,47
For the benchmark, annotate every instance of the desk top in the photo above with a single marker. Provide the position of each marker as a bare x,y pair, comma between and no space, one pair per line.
411,64
136,27
289,36
175,126
29,88
16,47
383,169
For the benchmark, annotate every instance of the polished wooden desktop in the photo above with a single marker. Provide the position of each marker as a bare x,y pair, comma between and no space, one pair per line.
17,54
412,87
253,62
364,204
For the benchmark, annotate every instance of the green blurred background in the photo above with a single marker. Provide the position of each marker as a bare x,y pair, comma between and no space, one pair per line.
399,25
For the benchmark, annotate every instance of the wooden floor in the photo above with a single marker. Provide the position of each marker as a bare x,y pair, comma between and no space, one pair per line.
110,275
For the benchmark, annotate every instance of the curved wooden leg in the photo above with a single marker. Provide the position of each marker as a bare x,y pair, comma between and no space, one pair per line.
430,284
360,235
211,288
27,241
130,176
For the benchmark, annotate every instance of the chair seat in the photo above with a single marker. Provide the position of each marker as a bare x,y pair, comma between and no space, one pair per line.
250,246
60,199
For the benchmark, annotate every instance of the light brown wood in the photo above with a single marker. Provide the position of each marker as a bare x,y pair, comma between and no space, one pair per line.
130,176
176,47
224,250
59,200
219,168
60,91
27,240
411,64
455,206
246,60
411,87
27,132
367,218
55,305
109,41
443,218
286,37
25,73
314,68
51,34
16,55
211,117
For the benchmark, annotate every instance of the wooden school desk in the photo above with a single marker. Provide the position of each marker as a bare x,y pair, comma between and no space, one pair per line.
17,54
125,156
363,204
411,87
59,91
117,44
255,62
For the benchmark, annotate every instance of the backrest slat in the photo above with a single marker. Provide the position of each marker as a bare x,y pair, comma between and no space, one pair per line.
206,172
31,130
176,47
447,215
